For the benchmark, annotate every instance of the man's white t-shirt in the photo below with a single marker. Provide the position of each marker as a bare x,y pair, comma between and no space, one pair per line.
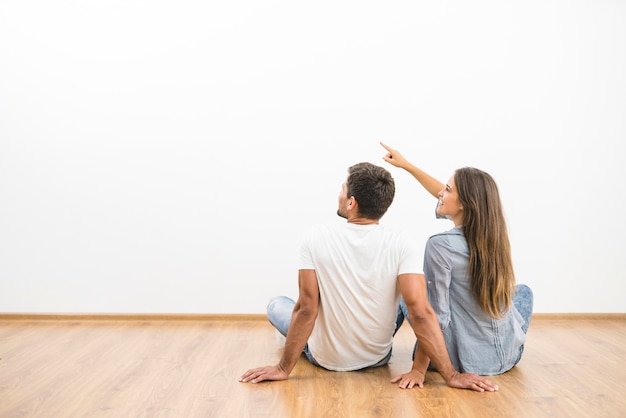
357,267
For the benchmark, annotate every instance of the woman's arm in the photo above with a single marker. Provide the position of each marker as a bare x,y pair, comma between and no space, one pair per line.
431,184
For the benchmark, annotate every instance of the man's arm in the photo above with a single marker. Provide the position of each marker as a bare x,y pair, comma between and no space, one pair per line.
431,342
300,328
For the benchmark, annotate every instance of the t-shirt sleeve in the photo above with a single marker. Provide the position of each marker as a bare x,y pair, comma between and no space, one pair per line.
306,257
410,259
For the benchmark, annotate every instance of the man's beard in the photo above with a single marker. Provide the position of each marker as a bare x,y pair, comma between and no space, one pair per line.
341,214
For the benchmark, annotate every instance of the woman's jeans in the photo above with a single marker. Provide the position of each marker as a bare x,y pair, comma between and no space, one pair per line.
279,311
524,303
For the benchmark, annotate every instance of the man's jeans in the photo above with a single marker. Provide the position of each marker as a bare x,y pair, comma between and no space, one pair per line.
279,311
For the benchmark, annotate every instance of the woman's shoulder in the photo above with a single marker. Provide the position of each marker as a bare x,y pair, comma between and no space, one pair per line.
450,238
456,231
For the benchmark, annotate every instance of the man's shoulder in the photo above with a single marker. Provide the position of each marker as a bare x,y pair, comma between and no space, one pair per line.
395,230
325,226
399,238
324,229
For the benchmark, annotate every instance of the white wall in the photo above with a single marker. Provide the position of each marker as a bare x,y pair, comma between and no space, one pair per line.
166,156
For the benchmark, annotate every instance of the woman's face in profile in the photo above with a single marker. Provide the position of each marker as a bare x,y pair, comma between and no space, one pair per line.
449,204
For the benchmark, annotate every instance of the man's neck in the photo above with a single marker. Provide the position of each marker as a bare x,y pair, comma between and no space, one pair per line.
363,221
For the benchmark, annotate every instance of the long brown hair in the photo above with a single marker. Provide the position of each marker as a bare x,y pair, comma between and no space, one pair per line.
484,226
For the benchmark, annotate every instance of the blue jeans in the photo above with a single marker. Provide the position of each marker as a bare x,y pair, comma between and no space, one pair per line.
523,301
279,311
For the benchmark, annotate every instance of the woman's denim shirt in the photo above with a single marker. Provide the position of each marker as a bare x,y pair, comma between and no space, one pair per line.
476,342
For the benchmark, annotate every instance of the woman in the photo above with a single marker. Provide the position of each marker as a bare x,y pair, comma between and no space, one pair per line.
484,316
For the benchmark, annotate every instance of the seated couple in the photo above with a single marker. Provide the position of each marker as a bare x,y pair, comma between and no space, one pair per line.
359,280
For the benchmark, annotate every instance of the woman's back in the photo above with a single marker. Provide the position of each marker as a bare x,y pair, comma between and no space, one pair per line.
476,342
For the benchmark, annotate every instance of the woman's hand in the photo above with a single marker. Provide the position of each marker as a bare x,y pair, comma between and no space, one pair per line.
394,157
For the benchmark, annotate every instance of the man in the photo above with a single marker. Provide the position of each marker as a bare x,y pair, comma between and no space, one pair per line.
350,281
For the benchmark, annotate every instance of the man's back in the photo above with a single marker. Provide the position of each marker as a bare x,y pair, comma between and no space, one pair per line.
357,268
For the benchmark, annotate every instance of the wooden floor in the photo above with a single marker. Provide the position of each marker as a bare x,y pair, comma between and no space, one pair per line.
190,368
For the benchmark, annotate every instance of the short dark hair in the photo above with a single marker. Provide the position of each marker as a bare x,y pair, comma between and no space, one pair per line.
372,187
